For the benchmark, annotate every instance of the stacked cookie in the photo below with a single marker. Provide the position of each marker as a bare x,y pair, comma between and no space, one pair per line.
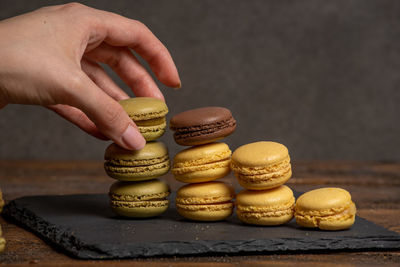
262,168
137,193
206,160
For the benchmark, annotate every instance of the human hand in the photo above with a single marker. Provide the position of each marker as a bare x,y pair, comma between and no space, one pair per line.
51,57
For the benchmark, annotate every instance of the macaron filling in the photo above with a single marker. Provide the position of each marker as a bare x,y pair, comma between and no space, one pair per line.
199,130
137,204
277,168
137,198
151,122
136,166
207,207
224,163
261,178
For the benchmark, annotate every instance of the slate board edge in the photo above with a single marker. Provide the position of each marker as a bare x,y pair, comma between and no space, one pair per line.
66,240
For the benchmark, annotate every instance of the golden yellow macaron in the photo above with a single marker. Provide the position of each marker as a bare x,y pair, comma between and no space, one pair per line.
1,201
148,113
2,241
211,201
265,207
137,165
326,208
261,165
139,199
202,163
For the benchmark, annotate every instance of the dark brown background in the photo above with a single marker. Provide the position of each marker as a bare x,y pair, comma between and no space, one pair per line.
320,77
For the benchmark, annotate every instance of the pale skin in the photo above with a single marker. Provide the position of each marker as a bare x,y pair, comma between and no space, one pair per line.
51,57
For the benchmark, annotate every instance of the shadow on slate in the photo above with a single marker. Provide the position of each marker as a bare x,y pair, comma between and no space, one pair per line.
85,226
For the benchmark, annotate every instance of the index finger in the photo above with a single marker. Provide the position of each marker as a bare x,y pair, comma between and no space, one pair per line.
121,31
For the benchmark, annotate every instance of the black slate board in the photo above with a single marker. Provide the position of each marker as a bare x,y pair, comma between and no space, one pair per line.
84,226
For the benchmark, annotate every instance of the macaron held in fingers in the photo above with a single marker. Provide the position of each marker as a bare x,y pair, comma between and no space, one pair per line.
127,165
261,165
202,125
265,207
202,163
211,201
148,114
328,208
139,199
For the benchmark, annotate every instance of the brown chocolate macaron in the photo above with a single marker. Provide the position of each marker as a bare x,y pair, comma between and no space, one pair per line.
202,125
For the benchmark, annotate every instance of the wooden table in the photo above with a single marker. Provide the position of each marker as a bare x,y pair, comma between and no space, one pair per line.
375,188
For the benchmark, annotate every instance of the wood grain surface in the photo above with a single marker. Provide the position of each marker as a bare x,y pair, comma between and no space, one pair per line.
375,188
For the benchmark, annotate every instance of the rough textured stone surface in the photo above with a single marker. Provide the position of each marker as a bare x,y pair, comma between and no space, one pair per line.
84,226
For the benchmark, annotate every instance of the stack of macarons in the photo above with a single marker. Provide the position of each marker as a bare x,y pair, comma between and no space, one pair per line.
137,193
206,160
262,168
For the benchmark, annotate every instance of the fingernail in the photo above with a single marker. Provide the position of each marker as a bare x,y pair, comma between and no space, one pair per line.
178,86
133,139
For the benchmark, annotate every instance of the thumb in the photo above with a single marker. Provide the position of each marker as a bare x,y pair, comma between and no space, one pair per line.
108,115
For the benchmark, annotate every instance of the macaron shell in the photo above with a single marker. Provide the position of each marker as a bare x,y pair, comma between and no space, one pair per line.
208,153
333,222
144,108
211,212
259,182
203,137
259,154
323,199
151,151
213,172
140,173
138,191
147,210
265,219
205,193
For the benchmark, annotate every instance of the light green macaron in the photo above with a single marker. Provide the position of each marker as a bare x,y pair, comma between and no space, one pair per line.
148,114
139,199
126,165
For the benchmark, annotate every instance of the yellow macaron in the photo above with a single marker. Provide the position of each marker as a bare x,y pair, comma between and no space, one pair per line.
137,165
148,113
265,207
325,208
139,199
261,165
211,201
202,163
